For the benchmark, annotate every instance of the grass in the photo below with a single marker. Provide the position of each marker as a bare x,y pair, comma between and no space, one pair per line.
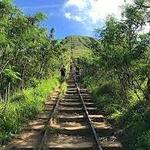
24,105
79,44
132,116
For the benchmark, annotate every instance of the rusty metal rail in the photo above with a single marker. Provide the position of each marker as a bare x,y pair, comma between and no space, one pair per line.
43,141
99,147
42,145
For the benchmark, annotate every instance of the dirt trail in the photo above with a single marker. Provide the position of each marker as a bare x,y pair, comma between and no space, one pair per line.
63,125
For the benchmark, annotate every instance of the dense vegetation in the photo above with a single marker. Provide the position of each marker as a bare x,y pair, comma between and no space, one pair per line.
29,63
79,45
118,74
117,70
24,105
26,50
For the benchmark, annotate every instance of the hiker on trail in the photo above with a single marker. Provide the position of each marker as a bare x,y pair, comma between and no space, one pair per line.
78,73
72,72
63,72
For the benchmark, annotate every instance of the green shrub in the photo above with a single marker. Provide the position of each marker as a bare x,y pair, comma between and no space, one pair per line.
33,82
107,88
143,142
130,114
24,105
17,97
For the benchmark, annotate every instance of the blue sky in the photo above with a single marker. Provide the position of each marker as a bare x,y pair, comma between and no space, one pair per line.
72,17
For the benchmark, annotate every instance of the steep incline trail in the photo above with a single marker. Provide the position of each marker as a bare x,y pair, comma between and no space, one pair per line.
69,123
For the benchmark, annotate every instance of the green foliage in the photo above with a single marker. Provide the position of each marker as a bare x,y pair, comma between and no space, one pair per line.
12,75
34,82
17,97
118,73
144,141
26,50
24,105
63,88
78,44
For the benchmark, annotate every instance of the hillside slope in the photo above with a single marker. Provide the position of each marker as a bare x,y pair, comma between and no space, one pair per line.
80,45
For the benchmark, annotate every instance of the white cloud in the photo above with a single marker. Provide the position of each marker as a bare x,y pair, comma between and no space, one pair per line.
100,9
95,11
69,16
80,4
145,29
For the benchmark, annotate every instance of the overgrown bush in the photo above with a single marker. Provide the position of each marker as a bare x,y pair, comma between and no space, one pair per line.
22,106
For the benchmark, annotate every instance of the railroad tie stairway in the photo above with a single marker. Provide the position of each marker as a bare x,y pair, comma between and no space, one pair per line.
72,122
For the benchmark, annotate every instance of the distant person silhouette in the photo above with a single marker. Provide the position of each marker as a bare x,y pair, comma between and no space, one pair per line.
78,73
63,73
72,72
